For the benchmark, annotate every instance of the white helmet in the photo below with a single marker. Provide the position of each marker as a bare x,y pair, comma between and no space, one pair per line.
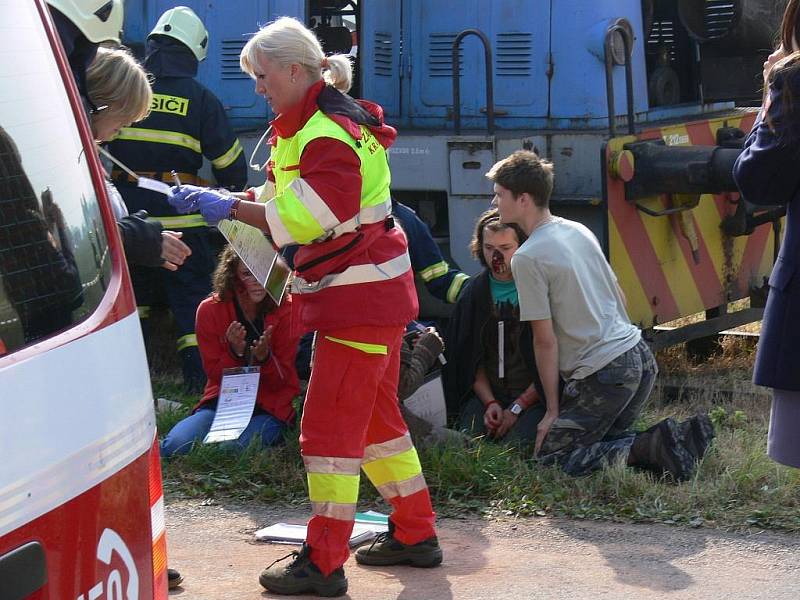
183,25
99,20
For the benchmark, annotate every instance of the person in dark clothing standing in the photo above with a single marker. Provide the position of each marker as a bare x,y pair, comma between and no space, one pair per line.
186,123
766,173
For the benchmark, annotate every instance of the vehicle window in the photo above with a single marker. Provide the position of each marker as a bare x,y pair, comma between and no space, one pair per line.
54,258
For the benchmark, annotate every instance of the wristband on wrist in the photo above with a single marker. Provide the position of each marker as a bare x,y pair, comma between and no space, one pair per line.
488,404
235,208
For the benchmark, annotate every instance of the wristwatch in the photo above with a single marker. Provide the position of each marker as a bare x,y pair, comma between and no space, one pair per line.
515,409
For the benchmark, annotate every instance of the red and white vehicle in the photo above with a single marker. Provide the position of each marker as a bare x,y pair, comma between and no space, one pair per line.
81,504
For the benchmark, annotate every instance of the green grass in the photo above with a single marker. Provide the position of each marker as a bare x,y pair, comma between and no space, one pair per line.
735,487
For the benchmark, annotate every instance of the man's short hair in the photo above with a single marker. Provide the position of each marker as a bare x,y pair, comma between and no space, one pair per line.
491,220
522,172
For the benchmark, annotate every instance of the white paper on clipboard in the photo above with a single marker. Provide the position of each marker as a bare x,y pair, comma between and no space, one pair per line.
258,255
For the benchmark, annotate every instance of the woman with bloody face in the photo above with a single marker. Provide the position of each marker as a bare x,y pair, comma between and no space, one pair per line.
491,379
239,325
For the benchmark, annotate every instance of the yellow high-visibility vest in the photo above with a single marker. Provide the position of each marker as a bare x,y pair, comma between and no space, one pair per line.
297,214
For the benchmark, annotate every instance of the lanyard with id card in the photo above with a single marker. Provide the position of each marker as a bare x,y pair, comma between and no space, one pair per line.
237,400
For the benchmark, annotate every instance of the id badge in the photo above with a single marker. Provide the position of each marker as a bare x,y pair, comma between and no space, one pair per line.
237,399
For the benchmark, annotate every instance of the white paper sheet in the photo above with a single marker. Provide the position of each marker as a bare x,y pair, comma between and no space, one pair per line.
237,399
428,401
366,527
154,185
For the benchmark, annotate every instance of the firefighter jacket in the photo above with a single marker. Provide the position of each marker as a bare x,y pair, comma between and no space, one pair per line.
186,122
443,281
331,176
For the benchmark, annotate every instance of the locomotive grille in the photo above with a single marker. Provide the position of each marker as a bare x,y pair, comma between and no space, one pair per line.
662,34
383,54
440,55
513,54
230,59
719,18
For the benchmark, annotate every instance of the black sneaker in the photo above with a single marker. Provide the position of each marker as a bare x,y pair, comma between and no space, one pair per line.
301,576
174,579
660,449
696,434
386,550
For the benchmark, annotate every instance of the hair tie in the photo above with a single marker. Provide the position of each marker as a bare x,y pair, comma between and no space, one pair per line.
324,63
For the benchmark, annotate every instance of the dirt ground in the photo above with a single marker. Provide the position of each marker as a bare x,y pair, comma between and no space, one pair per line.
214,548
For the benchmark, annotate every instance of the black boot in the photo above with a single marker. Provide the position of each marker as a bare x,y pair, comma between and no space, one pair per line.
660,449
174,579
301,576
696,434
386,550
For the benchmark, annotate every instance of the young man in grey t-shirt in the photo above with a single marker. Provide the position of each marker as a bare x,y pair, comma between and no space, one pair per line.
584,339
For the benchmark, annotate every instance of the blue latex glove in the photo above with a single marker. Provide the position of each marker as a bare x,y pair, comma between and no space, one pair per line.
213,205
181,198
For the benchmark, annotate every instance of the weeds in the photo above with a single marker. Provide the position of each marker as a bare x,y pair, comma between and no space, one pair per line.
735,487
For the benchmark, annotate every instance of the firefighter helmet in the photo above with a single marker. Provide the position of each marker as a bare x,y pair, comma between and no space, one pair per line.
182,24
98,20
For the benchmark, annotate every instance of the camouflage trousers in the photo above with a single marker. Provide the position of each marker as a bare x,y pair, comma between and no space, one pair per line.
596,413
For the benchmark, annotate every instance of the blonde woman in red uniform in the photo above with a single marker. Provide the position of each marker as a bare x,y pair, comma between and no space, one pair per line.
354,287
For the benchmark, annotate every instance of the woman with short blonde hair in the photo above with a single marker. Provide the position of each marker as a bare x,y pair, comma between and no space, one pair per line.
287,41
120,89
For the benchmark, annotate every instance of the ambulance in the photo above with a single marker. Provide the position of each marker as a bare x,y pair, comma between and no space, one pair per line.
81,503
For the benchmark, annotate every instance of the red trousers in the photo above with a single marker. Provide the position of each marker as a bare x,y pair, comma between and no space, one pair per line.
351,421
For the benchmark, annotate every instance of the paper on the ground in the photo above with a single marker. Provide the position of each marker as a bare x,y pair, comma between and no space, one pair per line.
373,516
363,530
258,255
154,185
237,399
428,401
164,405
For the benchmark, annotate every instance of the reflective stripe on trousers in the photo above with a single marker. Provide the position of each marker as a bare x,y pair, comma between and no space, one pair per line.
393,468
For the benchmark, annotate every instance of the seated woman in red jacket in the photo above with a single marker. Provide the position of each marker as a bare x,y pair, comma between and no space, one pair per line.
236,324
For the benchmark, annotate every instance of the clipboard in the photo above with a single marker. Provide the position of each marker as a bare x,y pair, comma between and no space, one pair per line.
259,256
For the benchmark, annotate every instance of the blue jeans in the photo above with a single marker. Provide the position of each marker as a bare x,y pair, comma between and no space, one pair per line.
195,427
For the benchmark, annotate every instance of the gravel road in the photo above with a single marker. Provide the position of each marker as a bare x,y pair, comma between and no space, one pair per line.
213,547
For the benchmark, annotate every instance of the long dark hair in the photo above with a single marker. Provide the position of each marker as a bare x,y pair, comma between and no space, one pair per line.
790,24
790,64
225,280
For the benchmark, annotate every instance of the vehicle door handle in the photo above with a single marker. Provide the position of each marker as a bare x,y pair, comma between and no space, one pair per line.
23,571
